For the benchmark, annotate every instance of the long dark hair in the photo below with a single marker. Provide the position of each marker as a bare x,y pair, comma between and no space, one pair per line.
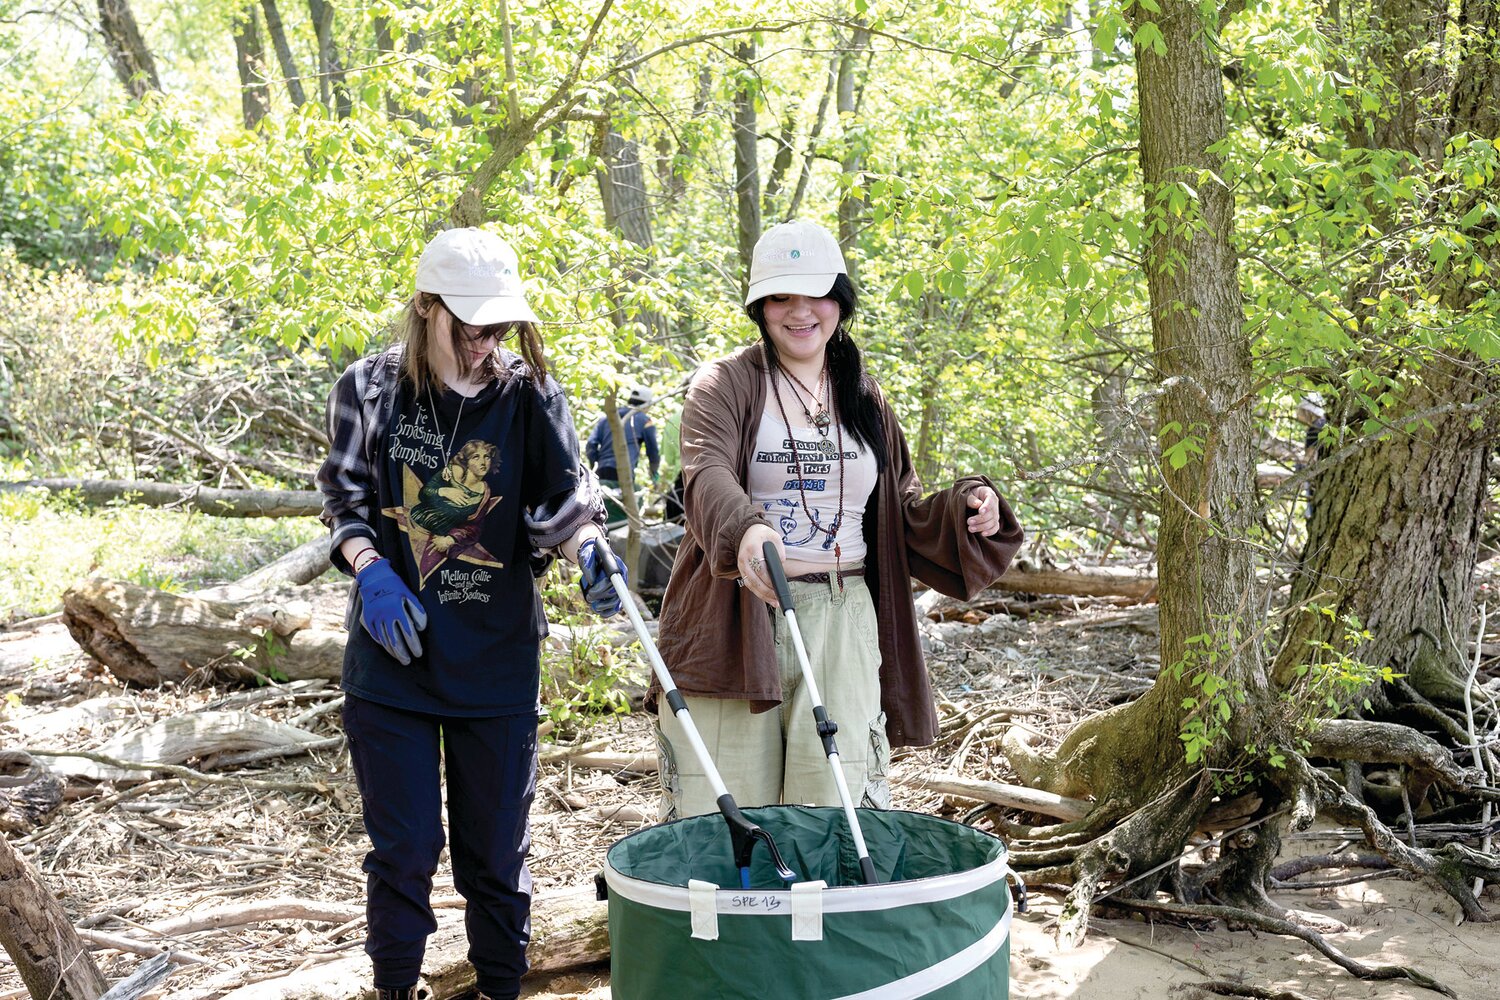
854,395
416,362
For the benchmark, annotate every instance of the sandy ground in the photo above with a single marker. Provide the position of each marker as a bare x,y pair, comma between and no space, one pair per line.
1389,922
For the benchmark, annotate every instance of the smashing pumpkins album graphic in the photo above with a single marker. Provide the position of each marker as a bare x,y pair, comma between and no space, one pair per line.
443,518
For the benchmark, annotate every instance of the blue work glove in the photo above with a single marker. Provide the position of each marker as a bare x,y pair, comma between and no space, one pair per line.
597,589
390,611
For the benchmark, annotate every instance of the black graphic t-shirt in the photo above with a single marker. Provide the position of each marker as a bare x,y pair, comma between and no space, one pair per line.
456,478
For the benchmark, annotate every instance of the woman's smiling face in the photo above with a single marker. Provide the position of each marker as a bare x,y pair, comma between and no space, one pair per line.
801,326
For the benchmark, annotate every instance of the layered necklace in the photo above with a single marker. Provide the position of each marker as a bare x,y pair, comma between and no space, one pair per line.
821,420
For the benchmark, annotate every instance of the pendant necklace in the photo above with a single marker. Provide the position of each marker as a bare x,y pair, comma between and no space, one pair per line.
453,438
821,418
831,532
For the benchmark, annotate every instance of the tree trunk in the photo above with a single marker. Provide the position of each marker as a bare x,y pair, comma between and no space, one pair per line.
333,87
851,198
672,160
284,56
628,499
622,188
1393,542
250,58
127,48
181,738
746,161
1396,526
39,937
1208,500
1132,756
804,175
385,45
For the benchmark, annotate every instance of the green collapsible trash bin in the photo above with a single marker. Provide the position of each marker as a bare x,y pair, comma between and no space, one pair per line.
936,925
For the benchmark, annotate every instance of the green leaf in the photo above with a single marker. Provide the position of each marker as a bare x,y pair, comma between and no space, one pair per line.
1149,36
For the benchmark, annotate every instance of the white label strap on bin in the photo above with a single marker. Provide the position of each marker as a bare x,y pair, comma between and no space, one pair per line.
807,911
949,970
704,907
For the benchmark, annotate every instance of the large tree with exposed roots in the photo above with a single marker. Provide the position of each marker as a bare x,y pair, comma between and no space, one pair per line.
1246,716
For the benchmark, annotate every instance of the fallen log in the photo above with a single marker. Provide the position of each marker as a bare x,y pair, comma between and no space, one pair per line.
257,911
23,650
1010,796
150,949
1091,581
189,496
36,933
143,980
636,763
146,636
568,929
181,738
304,564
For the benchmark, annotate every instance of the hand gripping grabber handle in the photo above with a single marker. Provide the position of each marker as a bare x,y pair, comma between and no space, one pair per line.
743,834
826,726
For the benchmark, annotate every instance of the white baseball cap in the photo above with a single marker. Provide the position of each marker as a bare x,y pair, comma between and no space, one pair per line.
477,274
794,258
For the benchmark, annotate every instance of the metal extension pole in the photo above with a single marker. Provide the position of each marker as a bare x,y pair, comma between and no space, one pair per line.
826,726
743,834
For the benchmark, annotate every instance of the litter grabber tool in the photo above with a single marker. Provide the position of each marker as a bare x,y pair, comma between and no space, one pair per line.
826,726
743,834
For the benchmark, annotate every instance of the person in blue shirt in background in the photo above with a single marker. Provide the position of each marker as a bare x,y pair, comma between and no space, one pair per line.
639,430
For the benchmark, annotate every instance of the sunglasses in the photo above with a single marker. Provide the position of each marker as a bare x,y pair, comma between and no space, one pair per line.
470,334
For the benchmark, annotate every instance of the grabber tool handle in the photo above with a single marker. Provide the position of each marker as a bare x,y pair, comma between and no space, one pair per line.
778,577
743,834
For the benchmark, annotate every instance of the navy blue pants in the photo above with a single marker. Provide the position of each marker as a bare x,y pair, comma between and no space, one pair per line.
491,772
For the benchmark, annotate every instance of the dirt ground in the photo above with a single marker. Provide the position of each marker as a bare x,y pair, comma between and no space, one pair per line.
122,859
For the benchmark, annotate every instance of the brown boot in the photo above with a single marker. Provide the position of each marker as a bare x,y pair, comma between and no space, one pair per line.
409,993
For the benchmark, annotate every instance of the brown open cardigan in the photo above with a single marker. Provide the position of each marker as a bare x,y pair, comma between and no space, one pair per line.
716,636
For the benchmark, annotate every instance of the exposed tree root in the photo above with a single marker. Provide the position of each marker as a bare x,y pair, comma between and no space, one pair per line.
1224,988
1318,862
1278,925
1450,871
1388,743
1141,847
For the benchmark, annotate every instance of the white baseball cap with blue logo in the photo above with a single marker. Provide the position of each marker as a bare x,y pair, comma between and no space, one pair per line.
477,274
794,258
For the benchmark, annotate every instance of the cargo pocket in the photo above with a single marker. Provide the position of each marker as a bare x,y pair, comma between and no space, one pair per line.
670,807
877,793
863,618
